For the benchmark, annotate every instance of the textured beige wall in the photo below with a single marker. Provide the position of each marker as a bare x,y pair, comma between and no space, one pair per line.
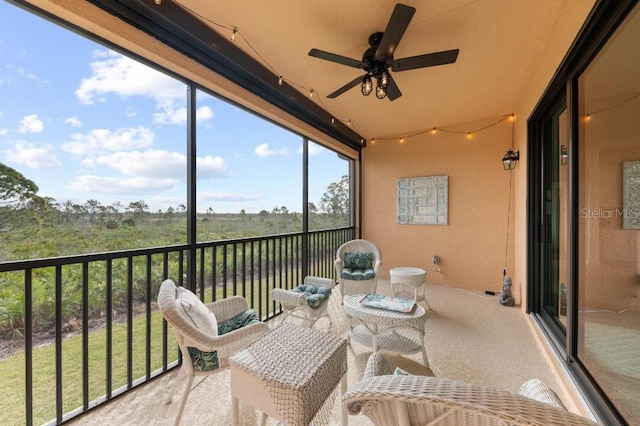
472,245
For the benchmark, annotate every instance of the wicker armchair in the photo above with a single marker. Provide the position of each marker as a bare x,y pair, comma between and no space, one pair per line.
308,301
357,281
189,336
406,400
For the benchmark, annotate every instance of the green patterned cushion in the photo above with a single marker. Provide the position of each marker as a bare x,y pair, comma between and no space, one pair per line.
241,320
316,295
358,260
357,274
400,372
205,361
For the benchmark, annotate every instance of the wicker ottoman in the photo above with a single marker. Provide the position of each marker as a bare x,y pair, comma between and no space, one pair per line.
289,374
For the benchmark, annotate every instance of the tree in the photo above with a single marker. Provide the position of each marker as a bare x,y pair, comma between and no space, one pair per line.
16,191
312,207
336,199
117,208
92,207
138,209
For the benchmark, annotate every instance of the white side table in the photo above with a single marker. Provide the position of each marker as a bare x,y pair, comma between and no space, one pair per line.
415,279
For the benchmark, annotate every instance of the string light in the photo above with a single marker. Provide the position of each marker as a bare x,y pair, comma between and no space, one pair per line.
401,140
333,120
435,129
157,1
349,123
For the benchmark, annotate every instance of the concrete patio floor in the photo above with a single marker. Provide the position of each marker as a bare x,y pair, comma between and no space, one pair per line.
469,336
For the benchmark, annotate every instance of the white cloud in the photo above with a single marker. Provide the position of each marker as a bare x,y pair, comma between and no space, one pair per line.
100,141
210,166
73,122
263,150
158,164
31,124
3,132
113,73
119,185
171,113
32,155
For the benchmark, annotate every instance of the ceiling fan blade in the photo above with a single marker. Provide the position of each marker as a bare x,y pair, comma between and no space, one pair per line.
349,85
427,60
393,91
337,58
396,27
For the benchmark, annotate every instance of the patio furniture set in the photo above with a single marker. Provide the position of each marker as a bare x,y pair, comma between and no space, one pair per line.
291,373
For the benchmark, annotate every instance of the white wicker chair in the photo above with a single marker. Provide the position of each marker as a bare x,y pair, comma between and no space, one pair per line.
405,400
188,335
349,286
295,304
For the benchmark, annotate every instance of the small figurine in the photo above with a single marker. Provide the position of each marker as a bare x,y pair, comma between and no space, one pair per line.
506,298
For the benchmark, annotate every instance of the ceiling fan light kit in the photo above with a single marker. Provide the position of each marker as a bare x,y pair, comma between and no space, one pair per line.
378,58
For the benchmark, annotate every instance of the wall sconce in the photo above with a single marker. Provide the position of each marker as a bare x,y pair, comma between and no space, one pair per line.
564,155
509,159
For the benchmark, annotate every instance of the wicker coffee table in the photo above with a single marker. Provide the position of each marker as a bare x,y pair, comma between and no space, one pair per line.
289,374
385,330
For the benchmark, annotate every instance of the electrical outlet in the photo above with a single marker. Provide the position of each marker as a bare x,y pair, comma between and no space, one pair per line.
436,260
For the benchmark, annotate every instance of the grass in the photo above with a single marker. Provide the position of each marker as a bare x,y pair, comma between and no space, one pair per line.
12,369
12,391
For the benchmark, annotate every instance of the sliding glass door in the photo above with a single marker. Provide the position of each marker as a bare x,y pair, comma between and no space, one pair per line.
584,213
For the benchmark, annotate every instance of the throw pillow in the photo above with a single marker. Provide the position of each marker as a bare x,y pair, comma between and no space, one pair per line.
540,391
316,295
241,320
196,312
358,260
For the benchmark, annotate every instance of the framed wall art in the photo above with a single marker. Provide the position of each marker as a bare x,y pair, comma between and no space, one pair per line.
423,200
631,195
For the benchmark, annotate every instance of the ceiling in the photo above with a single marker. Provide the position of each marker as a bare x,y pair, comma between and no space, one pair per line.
500,42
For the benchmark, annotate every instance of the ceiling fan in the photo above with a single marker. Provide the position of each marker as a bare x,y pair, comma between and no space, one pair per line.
378,58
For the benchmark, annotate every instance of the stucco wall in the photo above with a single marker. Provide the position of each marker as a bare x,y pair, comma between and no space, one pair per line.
472,246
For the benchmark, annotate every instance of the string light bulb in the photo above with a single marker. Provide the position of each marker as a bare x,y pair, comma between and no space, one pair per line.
157,2
311,93
280,81
401,140
588,117
433,131
349,123
233,35
333,120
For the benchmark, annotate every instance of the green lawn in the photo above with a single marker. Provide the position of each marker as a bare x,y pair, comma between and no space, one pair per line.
12,390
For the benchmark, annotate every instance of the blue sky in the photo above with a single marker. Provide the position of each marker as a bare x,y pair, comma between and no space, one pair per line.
85,122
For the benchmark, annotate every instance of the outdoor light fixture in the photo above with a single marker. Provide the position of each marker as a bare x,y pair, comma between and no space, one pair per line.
366,85
509,159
